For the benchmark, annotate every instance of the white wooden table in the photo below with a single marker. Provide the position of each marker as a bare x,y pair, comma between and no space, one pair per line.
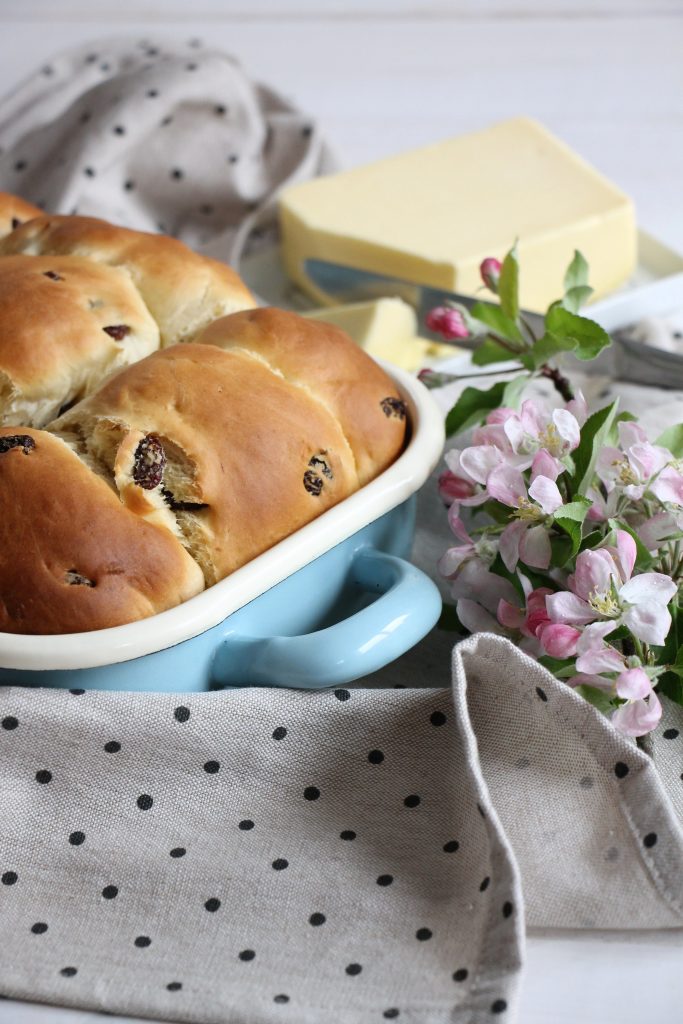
384,75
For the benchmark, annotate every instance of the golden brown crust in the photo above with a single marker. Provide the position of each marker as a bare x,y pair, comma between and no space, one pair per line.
72,558
322,359
259,454
14,211
183,290
65,324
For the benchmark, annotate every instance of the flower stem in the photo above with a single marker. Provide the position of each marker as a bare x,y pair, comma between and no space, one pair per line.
560,382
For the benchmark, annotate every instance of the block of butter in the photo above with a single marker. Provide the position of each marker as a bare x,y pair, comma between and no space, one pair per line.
431,215
387,329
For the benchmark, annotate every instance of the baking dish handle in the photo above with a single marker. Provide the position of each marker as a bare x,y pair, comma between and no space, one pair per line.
407,607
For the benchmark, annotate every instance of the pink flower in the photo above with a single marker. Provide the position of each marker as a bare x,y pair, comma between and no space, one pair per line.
603,589
638,717
534,427
526,538
490,269
632,467
471,471
556,640
454,488
475,581
447,322
578,407
453,559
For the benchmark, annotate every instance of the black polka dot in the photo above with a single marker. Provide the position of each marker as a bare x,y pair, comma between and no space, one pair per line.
177,174
281,998
181,713
385,880
178,851
68,972
247,954
85,117
499,1006
144,801
437,718
507,908
220,109
104,67
541,693
375,757
77,838
77,691
307,131
174,986
485,884
422,934
279,733
233,158
206,209
412,801
118,129
391,1014
347,835
316,920
142,941
39,928
211,767
621,769
91,58
20,165
191,67
9,723
650,839
112,747
353,969
89,172
43,776
9,878
129,185
48,71
481,810
342,695
212,905
311,793
246,825
670,734
166,120
280,864
460,974
110,892
451,846
152,93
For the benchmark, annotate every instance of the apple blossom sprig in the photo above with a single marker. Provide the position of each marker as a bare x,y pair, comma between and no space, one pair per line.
578,550
503,333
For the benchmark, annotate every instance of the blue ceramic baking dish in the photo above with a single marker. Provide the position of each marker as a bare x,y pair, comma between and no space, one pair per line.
329,604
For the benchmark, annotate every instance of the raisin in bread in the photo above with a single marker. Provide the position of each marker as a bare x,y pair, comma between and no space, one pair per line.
72,557
14,211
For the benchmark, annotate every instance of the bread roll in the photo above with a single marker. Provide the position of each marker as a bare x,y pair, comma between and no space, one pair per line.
72,557
224,451
322,360
14,211
65,324
183,291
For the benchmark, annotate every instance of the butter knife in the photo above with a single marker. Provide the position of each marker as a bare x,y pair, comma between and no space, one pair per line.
350,284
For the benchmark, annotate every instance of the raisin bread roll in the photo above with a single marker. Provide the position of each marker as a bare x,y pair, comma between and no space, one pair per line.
72,557
214,444
322,360
65,324
183,291
14,211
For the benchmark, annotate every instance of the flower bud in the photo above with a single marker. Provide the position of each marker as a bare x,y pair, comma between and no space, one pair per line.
447,322
490,269
453,488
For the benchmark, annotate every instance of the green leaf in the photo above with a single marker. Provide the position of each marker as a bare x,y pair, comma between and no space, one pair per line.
508,285
585,338
671,685
562,548
561,668
577,297
472,407
548,346
489,351
514,389
573,531
598,698
497,320
593,436
570,518
449,621
644,560
672,438
576,275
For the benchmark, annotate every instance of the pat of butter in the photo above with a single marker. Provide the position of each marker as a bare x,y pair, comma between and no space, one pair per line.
385,328
431,215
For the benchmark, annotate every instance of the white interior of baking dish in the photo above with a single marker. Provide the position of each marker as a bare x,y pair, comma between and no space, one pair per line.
122,643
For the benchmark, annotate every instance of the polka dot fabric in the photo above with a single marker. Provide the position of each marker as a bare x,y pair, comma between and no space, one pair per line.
163,136
240,858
